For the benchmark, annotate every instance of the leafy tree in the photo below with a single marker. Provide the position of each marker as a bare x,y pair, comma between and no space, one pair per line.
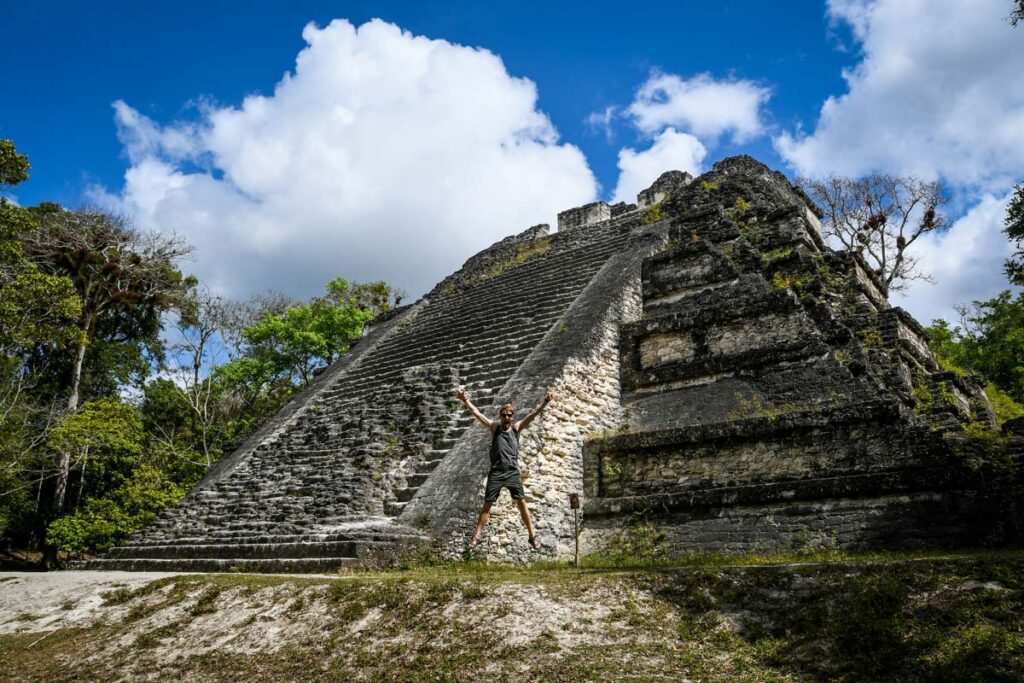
1014,228
989,341
103,440
125,279
880,216
1017,15
37,312
291,346
13,166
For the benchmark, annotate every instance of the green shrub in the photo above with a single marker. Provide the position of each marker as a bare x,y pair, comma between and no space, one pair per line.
106,522
99,527
653,214
1005,407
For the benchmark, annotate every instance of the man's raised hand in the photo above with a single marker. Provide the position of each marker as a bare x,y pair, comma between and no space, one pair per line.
460,394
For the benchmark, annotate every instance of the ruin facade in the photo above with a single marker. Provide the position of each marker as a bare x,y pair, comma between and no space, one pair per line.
724,378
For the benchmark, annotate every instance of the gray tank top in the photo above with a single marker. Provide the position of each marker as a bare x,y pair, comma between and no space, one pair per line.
504,449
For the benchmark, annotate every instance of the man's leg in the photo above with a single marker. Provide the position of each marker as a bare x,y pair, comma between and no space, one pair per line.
525,514
484,514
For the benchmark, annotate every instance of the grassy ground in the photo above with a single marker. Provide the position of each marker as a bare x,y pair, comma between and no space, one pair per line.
882,617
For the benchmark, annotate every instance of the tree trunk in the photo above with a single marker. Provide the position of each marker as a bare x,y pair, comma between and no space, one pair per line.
76,378
62,480
81,481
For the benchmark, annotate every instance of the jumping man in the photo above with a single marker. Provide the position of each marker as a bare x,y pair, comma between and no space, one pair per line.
504,470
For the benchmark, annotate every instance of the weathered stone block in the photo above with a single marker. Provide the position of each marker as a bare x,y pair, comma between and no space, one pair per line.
582,216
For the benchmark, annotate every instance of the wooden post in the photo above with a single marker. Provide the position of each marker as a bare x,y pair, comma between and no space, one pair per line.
574,503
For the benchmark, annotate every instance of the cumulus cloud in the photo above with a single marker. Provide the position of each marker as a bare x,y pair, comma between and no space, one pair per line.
383,155
966,262
681,117
671,150
701,105
938,93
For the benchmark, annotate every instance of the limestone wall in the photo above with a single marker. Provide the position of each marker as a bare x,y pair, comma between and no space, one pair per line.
552,448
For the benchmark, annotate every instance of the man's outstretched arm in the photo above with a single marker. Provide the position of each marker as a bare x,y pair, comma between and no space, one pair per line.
461,395
525,422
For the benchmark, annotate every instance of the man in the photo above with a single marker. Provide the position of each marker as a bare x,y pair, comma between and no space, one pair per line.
504,470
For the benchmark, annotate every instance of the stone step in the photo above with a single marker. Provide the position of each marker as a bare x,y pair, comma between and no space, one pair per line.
416,480
250,551
406,494
304,565
502,307
394,507
428,466
450,349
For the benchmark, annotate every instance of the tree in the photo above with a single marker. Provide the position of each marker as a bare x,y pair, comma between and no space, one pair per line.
13,166
103,523
203,321
1014,228
989,340
880,216
1017,15
37,311
292,345
104,437
126,280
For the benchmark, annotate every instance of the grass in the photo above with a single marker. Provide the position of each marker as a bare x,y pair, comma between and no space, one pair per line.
817,614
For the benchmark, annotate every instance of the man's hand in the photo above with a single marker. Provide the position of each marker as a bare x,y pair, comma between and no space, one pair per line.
525,422
460,394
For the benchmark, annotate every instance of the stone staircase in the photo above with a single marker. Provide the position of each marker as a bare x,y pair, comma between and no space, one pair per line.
320,488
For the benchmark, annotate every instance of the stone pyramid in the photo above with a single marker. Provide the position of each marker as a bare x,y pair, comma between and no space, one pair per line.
724,377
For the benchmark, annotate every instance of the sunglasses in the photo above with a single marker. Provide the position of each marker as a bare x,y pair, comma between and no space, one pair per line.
507,414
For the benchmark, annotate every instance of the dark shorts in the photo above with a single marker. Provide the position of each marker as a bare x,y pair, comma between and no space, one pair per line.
510,479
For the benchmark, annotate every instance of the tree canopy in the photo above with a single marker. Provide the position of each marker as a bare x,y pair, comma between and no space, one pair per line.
1014,228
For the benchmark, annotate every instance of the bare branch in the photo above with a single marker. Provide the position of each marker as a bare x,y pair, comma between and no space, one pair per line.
880,217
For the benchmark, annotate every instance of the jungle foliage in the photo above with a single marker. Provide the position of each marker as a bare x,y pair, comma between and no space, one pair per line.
122,379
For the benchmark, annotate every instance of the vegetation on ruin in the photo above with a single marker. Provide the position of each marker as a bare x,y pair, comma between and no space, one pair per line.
653,214
523,253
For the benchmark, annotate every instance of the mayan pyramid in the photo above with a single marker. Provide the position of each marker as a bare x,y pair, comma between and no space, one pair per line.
724,377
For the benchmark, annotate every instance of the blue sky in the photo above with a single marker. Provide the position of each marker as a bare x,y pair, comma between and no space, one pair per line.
388,153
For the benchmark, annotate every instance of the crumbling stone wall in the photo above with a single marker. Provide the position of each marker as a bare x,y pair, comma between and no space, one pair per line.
773,394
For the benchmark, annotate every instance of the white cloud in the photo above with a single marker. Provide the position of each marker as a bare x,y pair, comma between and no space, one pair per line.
701,105
966,262
939,93
602,121
382,156
671,150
